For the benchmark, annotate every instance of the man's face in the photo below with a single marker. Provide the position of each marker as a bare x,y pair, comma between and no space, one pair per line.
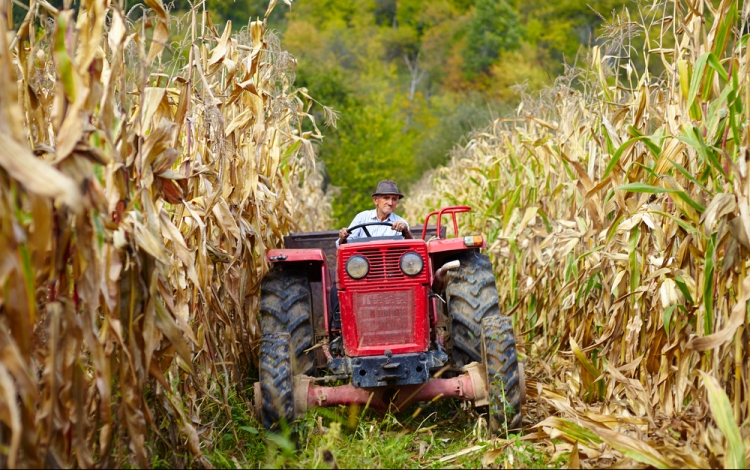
386,204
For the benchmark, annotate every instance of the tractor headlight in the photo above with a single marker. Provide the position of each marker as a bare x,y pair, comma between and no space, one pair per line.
411,264
357,267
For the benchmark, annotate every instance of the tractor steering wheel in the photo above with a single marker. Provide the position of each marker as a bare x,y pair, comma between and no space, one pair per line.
364,227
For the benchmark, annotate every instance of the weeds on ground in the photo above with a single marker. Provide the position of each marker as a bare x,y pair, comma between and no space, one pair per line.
439,435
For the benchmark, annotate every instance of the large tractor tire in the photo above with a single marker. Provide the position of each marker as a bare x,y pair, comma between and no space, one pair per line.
276,380
471,295
286,305
504,376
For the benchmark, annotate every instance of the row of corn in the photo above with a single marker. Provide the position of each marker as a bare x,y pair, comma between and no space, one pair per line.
617,211
147,162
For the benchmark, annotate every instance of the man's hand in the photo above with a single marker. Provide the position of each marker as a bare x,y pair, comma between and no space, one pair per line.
343,234
399,226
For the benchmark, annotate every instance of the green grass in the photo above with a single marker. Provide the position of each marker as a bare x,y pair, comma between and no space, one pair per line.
417,438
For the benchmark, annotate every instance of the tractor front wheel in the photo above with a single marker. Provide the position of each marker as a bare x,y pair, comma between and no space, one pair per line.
286,306
504,376
471,295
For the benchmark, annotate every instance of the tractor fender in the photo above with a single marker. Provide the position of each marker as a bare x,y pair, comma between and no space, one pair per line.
312,261
293,255
443,245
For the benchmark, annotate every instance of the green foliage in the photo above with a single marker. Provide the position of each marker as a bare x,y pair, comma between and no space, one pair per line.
368,146
239,12
493,29
562,27
459,115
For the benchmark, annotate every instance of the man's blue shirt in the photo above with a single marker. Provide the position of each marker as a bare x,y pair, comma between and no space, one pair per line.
375,230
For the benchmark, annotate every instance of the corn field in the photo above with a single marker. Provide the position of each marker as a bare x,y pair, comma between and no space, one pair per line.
617,210
147,162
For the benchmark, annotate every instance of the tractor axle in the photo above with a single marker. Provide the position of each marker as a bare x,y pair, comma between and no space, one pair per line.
470,386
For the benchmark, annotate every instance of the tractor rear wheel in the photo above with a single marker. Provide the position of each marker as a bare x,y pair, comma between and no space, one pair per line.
286,305
276,380
471,295
504,377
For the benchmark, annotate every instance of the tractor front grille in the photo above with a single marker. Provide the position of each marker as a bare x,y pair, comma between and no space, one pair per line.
385,265
384,318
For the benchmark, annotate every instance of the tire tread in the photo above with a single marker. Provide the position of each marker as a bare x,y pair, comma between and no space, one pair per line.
471,295
276,380
286,305
501,364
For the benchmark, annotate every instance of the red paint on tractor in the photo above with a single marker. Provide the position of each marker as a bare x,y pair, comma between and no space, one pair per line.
325,281
470,386
450,244
384,258
375,320
292,255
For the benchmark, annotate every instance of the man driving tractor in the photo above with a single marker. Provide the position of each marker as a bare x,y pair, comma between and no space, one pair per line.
385,197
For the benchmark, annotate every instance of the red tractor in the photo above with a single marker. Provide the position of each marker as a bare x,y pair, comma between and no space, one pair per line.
408,321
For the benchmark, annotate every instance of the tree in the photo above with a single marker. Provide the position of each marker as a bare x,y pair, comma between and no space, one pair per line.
561,27
368,146
240,12
494,27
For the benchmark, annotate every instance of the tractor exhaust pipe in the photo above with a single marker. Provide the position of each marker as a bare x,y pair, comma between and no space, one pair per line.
438,282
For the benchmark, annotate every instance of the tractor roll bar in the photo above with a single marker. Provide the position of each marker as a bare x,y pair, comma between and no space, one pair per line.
453,210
